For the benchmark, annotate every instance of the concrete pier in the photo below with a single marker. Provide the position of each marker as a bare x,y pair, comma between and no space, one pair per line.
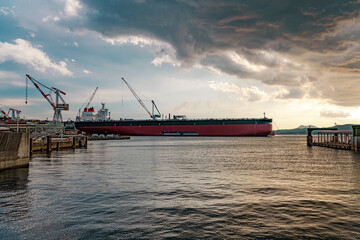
14,150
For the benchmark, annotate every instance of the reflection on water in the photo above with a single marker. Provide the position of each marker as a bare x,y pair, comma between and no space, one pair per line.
14,201
169,187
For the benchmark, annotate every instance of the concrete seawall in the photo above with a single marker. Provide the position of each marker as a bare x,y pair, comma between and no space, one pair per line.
14,150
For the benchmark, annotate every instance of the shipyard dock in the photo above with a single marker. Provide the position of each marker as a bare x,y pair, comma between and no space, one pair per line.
16,148
334,138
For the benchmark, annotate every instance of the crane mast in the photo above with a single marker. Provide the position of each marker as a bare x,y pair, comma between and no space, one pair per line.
57,105
152,115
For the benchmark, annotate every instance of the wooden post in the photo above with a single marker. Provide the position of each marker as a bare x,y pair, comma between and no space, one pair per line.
57,146
309,137
31,145
73,142
48,144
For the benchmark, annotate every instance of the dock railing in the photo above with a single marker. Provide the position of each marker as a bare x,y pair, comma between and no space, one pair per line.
333,138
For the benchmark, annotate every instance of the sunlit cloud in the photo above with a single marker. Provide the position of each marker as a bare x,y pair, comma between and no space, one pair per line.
24,52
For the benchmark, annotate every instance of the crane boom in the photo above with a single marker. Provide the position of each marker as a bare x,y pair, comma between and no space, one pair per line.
46,96
137,97
87,103
57,107
91,98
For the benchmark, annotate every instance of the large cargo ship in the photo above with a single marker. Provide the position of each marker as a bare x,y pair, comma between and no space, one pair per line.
179,125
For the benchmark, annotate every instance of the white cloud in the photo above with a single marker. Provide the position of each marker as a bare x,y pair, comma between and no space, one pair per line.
32,35
10,78
24,53
72,8
251,94
50,18
164,51
244,63
334,114
158,61
73,60
20,102
225,87
7,11
76,44
135,40
87,71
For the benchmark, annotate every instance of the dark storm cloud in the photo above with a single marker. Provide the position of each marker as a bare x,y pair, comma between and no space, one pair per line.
201,26
278,42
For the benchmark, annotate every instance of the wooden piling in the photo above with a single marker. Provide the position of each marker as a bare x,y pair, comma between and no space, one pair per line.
48,144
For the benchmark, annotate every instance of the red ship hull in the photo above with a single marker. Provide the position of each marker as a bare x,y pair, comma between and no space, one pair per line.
200,130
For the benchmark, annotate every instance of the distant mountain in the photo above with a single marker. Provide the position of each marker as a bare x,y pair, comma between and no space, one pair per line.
302,129
305,126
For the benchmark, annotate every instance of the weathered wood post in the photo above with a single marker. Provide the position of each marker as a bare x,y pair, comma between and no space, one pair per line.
356,138
48,144
31,146
309,137
73,142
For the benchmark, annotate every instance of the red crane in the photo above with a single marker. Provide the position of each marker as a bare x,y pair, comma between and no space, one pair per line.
55,105
4,114
15,114
152,115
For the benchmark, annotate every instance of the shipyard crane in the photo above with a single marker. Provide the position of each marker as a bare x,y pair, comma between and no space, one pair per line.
15,114
57,105
4,114
152,115
87,103
12,114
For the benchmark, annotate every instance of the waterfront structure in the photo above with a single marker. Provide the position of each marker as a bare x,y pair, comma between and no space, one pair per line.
333,138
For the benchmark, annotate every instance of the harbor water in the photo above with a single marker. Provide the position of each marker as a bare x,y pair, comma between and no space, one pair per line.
185,188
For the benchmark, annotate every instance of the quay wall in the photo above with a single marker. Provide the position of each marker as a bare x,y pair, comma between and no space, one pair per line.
14,150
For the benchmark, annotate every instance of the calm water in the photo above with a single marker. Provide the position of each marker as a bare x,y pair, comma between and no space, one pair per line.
177,187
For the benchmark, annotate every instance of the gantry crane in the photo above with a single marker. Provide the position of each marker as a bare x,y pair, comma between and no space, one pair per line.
15,114
57,106
87,104
152,115
12,114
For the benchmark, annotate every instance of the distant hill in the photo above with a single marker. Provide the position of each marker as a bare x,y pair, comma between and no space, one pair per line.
302,129
305,126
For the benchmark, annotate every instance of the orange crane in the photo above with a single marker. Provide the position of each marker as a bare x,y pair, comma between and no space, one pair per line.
152,115
56,105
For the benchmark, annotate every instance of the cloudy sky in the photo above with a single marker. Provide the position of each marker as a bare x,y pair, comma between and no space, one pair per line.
298,60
